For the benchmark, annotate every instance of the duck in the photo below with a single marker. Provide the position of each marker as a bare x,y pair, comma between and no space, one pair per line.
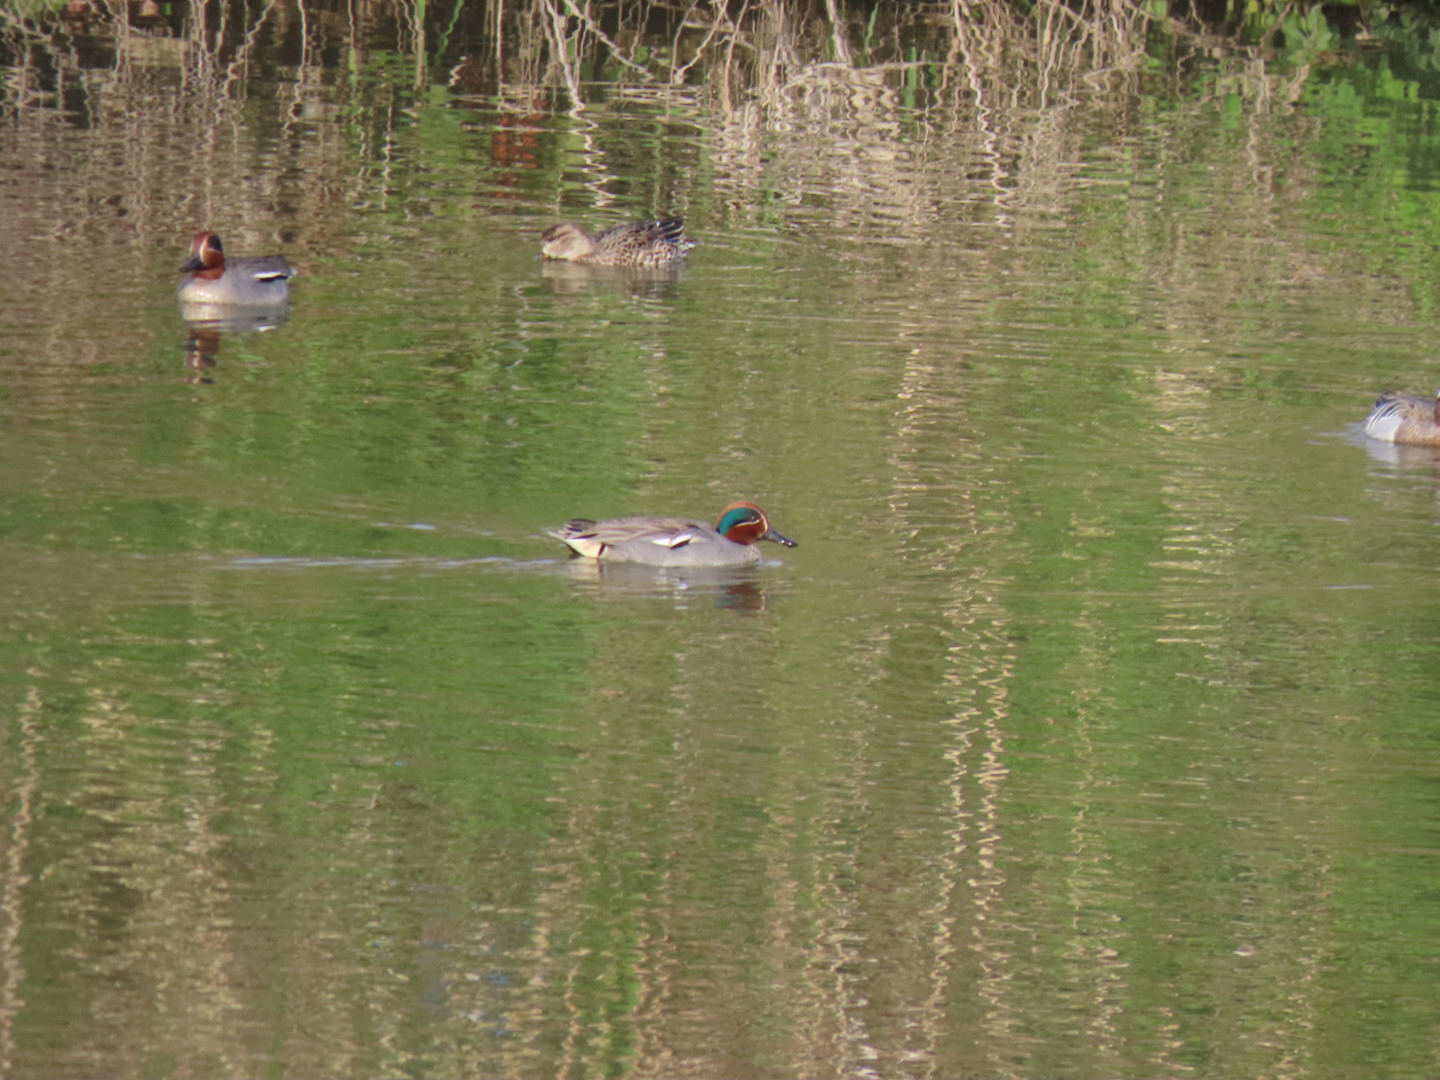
646,244
673,541
239,281
1404,418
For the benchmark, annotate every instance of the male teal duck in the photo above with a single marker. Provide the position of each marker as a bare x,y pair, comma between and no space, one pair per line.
645,244
240,281
1404,418
673,541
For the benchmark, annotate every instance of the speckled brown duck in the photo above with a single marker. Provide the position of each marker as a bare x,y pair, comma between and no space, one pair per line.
1406,419
645,244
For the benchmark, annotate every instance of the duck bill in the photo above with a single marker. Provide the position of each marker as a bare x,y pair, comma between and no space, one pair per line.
784,541
192,264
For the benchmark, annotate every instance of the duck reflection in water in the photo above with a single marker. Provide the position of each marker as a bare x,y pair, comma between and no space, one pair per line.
572,279
208,330
729,588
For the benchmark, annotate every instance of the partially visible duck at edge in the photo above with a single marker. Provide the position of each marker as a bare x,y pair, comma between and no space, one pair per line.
1406,419
673,541
242,280
647,244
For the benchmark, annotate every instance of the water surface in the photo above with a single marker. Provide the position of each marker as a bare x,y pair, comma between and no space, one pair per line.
1089,731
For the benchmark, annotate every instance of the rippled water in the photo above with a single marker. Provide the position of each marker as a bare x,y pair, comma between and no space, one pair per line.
1088,731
